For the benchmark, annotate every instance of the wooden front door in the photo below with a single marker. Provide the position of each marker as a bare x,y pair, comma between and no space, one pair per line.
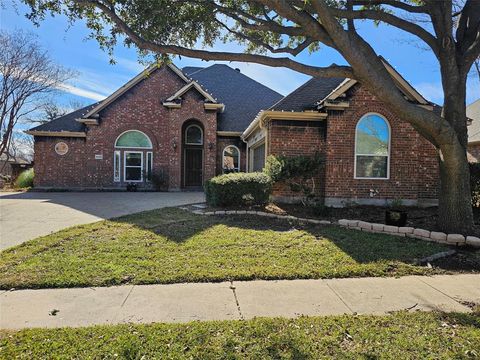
193,166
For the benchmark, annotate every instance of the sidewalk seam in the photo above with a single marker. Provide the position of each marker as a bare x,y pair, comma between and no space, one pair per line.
125,300
440,291
338,296
232,287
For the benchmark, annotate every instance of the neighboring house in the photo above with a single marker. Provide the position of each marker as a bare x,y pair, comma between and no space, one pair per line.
11,167
195,123
473,113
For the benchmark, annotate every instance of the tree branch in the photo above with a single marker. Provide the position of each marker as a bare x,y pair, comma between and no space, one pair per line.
390,19
331,71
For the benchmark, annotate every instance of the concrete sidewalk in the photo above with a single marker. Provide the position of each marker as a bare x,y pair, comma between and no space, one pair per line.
234,300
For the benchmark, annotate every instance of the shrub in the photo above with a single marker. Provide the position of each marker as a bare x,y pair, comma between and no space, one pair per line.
25,179
298,172
160,180
238,189
475,183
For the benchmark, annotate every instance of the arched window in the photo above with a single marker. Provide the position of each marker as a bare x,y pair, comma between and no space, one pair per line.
133,139
137,163
372,148
193,135
231,159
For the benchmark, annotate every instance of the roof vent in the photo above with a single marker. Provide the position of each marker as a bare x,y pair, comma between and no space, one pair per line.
237,69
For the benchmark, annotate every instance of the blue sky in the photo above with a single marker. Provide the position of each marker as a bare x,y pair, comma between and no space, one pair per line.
97,78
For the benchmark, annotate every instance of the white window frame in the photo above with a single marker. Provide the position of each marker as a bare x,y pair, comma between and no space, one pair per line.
388,152
239,157
149,166
133,147
201,132
117,164
125,166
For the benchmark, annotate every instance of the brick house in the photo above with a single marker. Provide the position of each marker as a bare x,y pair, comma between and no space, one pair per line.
192,124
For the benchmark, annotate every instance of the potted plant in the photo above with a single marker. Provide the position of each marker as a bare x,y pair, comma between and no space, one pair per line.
396,215
132,187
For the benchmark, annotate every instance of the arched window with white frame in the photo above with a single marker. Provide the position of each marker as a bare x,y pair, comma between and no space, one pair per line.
231,159
135,146
193,135
372,147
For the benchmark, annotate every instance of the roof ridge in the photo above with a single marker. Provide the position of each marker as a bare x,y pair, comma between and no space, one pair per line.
242,74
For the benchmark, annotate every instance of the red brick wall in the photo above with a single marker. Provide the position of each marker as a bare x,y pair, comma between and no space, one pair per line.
413,162
53,170
222,143
139,109
293,138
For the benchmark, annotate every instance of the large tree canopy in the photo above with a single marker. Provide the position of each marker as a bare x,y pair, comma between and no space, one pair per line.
275,31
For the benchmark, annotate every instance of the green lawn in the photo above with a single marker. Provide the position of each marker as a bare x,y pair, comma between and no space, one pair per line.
172,245
401,335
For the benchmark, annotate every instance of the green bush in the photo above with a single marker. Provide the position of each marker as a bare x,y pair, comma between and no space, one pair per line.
238,189
25,179
298,172
475,183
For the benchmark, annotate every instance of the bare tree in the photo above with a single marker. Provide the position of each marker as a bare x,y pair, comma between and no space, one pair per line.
27,76
50,110
450,29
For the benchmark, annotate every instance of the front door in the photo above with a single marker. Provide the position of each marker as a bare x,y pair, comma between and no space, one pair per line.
193,163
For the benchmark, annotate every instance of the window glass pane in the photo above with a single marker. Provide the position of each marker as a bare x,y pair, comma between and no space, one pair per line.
372,136
372,166
149,166
116,166
231,159
133,174
259,158
134,139
194,135
133,159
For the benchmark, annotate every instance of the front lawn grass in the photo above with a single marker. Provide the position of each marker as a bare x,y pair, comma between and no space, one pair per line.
402,335
173,245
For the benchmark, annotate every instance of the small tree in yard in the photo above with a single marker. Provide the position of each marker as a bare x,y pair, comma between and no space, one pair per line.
450,30
27,77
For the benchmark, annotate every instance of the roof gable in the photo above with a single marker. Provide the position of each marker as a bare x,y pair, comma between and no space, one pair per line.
242,96
122,90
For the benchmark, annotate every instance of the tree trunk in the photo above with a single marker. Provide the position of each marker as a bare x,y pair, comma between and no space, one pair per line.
455,206
455,198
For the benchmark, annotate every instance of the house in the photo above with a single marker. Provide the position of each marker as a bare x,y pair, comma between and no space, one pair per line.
11,166
473,113
192,124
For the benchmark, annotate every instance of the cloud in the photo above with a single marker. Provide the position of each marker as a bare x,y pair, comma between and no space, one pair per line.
74,90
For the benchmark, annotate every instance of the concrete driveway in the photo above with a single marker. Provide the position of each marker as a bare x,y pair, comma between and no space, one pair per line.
25,216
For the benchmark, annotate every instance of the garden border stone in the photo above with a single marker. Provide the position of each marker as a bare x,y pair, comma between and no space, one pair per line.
415,233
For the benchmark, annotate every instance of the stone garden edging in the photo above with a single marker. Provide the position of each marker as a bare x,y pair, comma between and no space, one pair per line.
416,233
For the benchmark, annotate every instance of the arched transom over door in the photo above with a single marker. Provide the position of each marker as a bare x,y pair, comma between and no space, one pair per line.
193,155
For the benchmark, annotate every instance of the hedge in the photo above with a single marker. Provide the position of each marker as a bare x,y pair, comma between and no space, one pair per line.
238,189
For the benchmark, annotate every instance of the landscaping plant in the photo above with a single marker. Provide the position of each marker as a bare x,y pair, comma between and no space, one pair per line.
25,179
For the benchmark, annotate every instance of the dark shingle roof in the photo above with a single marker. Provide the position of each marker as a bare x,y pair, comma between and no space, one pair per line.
66,122
306,96
189,70
243,97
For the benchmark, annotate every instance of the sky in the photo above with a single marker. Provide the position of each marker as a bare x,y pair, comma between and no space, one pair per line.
97,78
